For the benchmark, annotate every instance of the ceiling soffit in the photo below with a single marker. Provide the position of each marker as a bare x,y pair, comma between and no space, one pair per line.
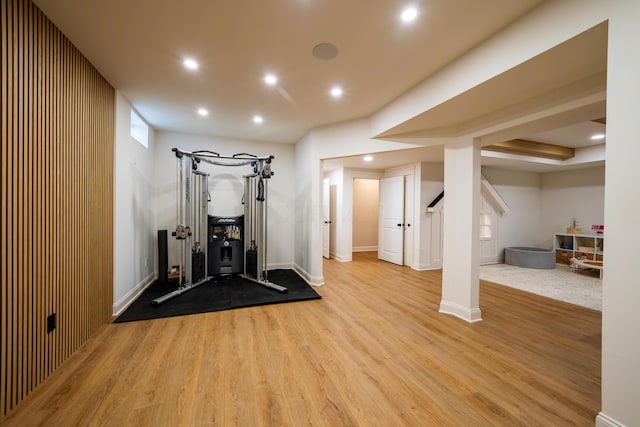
535,84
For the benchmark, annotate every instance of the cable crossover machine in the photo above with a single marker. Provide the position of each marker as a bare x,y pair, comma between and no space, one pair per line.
211,246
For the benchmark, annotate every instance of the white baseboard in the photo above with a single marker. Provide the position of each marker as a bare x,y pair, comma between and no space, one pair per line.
425,267
603,420
470,315
492,260
342,258
124,302
365,248
312,280
280,266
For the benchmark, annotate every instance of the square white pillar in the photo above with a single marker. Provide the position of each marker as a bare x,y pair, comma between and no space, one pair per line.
621,293
461,248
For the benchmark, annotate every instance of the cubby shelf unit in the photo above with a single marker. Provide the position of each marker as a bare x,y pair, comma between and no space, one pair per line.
585,246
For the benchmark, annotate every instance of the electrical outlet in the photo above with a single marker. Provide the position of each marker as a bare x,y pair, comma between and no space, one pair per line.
51,322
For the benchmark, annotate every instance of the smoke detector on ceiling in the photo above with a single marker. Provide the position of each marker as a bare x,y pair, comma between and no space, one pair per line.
325,51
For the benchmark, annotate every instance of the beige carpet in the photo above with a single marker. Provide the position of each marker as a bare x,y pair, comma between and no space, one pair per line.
561,283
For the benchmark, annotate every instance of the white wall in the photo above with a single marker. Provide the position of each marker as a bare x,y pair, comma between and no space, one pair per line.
521,192
343,139
134,231
533,198
343,182
574,193
543,204
226,188
431,185
308,210
365,214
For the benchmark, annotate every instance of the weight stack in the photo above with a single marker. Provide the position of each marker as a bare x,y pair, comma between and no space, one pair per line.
252,263
163,256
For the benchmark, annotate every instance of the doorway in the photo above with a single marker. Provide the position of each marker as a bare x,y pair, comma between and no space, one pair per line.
365,214
329,203
350,211
395,228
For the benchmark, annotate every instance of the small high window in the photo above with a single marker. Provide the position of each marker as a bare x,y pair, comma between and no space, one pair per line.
485,226
139,129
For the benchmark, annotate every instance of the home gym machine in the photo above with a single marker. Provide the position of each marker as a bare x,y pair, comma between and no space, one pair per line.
210,246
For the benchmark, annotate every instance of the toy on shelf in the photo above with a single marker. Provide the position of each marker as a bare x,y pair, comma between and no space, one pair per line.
598,229
573,226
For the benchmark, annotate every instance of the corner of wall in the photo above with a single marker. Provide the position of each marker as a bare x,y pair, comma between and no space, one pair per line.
312,280
123,303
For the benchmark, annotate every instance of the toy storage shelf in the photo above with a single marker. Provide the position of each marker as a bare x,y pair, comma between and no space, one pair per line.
585,246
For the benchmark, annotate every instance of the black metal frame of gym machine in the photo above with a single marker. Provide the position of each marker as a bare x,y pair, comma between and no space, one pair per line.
195,210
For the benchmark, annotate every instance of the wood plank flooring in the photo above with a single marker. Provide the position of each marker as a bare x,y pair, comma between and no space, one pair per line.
373,352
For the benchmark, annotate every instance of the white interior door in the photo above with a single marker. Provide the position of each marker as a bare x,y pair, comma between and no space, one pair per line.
326,185
390,228
408,219
333,219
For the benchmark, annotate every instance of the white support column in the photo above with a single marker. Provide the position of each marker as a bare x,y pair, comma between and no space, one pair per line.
620,290
461,251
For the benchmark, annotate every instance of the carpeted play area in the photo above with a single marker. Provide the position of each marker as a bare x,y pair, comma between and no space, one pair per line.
559,283
224,293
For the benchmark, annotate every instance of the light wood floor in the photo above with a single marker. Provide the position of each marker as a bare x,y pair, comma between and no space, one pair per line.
373,352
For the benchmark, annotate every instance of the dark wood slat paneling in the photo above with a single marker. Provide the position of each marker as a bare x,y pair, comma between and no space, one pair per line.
4,203
57,200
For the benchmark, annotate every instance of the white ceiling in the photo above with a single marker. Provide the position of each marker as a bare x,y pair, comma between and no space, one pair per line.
139,49
139,45
386,160
577,136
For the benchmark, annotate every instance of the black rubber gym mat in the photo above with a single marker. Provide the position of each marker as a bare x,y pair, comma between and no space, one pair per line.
218,294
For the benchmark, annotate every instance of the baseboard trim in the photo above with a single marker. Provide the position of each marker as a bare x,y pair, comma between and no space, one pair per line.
491,260
603,420
365,248
280,266
342,258
491,263
312,280
123,303
426,267
470,315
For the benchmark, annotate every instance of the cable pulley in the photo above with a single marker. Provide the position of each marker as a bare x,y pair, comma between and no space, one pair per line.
194,231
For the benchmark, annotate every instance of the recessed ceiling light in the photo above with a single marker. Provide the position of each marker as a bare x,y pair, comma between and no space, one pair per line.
203,112
598,136
409,14
336,91
190,64
258,119
367,158
270,79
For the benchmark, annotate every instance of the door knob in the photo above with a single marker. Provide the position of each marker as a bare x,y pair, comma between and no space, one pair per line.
399,225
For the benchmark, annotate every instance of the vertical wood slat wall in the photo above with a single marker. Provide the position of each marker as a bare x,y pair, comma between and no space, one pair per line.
56,227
